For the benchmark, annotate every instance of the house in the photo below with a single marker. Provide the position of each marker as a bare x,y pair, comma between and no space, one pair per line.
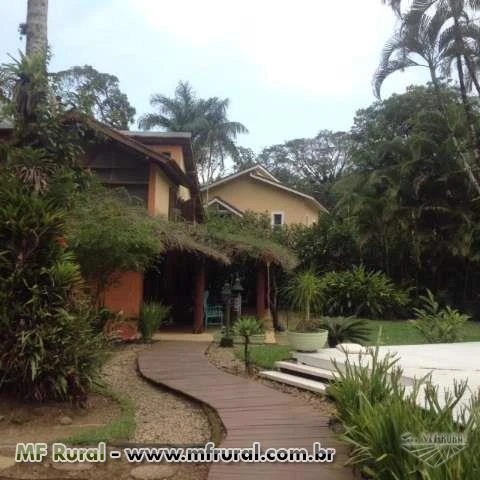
158,170
256,189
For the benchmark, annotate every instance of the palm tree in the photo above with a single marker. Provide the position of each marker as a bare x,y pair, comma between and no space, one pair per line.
411,47
394,5
437,39
460,37
213,135
216,138
36,27
183,112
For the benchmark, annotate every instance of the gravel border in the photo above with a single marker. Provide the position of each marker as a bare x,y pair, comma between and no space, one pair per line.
161,416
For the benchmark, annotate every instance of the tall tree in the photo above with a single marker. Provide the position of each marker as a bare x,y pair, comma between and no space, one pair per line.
213,134
94,93
36,27
246,158
412,205
310,164
433,31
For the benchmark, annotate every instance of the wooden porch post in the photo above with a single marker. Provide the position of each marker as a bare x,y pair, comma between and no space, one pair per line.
198,324
261,287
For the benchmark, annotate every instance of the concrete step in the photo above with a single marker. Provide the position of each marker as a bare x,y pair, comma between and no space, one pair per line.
326,361
321,373
320,360
294,380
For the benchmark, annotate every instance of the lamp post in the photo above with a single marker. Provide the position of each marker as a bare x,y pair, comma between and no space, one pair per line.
237,290
226,340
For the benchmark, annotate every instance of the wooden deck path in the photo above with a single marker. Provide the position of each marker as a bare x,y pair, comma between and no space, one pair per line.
249,411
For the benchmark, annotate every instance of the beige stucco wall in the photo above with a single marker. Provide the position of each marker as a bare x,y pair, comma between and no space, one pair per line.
158,192
246,193
176,153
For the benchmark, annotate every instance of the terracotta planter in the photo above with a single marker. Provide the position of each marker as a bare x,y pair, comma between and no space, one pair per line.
308,342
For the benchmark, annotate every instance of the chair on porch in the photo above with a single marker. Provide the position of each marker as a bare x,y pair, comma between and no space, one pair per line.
213,313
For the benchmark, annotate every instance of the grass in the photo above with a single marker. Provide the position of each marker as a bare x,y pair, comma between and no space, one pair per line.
265,356
121,429
394,332
403,332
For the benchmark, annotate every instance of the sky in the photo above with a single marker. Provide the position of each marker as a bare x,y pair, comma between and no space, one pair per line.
289,68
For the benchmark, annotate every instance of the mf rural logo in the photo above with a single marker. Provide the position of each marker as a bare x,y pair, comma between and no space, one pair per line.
434,449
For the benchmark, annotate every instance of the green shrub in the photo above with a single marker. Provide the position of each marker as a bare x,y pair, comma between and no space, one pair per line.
152,316
245,327
377,381
359,292
47,345
378,415
102,316
439,325
109,232
341,329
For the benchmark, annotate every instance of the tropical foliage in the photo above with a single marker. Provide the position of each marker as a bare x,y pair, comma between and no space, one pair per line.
305,296
377,414
405,206
346,330
93,93
47,345
361,293
245,328
109,232
248,238
213,134
439,325
152,316
442,34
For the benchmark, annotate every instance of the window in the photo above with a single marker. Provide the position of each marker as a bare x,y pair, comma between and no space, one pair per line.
277,219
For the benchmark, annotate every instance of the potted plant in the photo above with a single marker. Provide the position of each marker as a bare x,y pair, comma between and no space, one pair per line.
305,294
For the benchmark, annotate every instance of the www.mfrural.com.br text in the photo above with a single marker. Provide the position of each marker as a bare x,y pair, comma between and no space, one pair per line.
61,453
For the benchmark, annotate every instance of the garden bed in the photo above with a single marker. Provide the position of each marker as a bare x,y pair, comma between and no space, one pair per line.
137,412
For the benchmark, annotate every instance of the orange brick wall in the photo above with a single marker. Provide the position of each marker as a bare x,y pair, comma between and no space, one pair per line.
126,294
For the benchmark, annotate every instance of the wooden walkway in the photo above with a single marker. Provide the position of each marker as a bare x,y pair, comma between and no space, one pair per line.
249,411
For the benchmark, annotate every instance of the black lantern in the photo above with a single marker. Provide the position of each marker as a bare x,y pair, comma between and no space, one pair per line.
226,340
237,290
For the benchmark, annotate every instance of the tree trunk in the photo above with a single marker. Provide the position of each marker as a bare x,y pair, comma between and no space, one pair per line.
36,30
443,109
470,118
246,353
472,73
274,301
